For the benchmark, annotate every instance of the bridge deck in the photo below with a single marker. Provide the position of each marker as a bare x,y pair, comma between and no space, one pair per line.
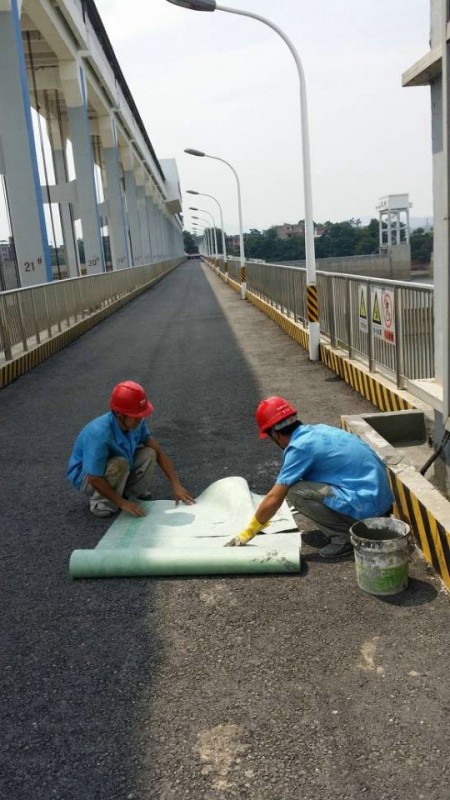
274,687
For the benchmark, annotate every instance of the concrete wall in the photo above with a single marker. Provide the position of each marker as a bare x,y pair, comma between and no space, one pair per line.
395,265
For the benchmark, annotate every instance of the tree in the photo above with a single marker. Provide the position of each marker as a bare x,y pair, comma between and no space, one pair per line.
340,239
368,240
421,246
190,245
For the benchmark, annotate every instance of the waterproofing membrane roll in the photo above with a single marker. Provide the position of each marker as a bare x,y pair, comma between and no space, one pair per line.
155,561
189,540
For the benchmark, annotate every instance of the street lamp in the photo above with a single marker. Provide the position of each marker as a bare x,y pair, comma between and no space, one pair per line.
202,232
224,249
203,210
197,5
200,153
312,303
208,232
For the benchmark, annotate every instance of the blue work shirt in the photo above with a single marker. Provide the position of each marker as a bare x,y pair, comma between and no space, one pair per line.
99,441
340,459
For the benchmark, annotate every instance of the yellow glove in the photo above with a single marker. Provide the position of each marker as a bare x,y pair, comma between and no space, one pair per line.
247,534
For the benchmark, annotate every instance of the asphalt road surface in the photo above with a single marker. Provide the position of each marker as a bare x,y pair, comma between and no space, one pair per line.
298,687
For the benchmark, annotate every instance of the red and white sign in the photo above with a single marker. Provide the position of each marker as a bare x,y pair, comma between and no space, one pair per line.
388,316
383,314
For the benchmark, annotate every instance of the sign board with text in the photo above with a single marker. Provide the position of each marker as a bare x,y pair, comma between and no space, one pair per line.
383,314
362,305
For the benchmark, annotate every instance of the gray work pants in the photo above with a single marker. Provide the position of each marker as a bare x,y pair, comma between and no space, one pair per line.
133,482
308,497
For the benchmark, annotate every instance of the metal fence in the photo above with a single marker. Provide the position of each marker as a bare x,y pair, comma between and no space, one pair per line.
389,325
347,305
35,314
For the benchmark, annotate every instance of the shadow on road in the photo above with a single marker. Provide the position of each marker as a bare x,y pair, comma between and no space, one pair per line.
83,657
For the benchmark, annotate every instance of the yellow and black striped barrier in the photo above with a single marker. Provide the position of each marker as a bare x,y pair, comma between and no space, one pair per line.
418,504
373,388
430,535
293,329
20,364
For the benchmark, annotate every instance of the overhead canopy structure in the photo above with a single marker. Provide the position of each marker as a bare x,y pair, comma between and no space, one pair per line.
74,145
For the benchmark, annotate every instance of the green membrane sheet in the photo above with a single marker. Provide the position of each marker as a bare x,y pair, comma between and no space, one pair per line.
189,540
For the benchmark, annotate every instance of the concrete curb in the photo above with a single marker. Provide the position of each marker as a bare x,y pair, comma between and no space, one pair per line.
417,502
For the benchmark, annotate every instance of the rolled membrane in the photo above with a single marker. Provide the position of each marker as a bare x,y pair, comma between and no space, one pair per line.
124,563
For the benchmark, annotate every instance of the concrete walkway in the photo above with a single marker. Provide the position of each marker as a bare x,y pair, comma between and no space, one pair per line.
270,688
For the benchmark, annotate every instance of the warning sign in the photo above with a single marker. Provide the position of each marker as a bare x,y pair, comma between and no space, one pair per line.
388,316
376,316
383,319
362,295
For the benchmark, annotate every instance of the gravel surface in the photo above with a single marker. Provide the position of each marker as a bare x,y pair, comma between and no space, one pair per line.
271,688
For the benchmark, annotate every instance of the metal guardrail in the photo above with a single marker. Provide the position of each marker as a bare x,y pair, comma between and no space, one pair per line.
35,314
32,315
407,354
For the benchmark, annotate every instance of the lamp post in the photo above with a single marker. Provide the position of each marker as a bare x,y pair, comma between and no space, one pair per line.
312,303
224,249
243,275
208,234
208,229
202,231
203,210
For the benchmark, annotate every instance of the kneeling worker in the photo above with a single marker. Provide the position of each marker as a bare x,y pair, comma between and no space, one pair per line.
114,456
329,475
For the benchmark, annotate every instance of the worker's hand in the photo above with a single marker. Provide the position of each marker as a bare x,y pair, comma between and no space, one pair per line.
180,493
253,527
132,508
236,542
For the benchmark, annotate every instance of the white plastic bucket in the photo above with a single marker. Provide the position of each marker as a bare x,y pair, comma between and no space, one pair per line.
382,554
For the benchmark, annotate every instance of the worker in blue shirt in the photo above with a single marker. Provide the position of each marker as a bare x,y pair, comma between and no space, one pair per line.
114,456
328,475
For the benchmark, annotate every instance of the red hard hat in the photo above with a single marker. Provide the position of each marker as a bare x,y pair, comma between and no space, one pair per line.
271,411
130,398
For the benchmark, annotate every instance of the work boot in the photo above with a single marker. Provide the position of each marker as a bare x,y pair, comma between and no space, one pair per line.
335,550
102,510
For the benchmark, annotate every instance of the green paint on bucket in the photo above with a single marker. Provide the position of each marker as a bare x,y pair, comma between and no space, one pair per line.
381,555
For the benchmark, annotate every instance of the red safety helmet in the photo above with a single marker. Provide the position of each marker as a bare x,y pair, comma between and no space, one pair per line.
271,411
130,398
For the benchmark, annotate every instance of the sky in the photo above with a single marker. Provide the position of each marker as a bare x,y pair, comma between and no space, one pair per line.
228,85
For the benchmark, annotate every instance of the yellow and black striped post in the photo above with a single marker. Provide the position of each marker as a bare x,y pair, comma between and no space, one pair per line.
243,274
312,303
312,314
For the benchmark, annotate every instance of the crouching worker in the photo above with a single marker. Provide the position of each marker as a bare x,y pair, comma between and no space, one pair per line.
329,475
114,456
